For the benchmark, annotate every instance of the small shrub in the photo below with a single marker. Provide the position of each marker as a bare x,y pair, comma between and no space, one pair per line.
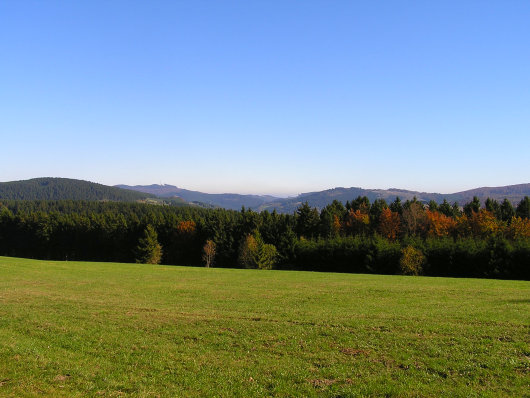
411,262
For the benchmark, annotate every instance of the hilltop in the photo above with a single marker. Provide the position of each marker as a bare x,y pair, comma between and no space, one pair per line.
49,188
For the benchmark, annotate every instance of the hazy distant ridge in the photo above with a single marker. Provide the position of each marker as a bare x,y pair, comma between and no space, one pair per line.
227,200
48,188
321,198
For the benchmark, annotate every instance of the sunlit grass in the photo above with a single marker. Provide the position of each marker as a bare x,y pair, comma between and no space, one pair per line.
91,329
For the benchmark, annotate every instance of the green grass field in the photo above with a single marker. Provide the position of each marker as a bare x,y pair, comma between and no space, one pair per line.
101,329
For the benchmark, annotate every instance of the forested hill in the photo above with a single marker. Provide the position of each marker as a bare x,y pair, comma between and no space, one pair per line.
49,188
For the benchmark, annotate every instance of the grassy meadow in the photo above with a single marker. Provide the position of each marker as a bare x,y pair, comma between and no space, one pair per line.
78,329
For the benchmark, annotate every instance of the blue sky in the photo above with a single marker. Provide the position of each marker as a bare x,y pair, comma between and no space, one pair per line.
276,97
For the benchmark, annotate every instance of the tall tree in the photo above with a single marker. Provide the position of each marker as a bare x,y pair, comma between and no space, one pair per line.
396,206
506,210
446,209
414,218
307,221
389,224
433,206
208,253
523,208
330,217
493,207
376,210
472,207
361,203
149,251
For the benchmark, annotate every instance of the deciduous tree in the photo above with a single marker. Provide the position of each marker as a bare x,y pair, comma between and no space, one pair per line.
389,224
439,224
208,253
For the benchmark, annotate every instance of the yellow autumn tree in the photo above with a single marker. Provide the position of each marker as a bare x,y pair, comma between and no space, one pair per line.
519,228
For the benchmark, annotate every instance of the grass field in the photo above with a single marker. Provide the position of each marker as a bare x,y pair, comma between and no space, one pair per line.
101,329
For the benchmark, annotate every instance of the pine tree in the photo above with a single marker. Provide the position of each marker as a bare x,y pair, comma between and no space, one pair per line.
149,251
523,208
507,211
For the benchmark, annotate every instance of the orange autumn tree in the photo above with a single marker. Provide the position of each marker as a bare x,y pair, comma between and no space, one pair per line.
389,224
337,226
186,228
356,222
439,224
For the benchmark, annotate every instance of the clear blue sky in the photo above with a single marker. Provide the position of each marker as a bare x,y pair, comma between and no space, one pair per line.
274,97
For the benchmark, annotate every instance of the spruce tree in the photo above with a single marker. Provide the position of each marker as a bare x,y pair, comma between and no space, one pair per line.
149,251
523,208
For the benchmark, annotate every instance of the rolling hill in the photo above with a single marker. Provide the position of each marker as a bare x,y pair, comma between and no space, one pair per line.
48,188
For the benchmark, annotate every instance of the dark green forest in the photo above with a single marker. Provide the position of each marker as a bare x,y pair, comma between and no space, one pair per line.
47,188
490,239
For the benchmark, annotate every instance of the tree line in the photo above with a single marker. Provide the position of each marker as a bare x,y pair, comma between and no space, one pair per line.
475,240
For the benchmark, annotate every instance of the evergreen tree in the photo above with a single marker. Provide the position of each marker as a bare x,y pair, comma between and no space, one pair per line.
307,221
361,203
433,206
493,207
330,217
149,251
375,212
506,210
456,210
472,207
446,209
396,206
523,208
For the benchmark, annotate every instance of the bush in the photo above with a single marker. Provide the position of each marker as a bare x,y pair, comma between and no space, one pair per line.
411,262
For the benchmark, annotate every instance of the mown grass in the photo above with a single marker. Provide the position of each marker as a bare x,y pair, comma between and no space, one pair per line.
101,329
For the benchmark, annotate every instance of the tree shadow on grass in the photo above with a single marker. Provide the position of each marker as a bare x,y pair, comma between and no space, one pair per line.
519,301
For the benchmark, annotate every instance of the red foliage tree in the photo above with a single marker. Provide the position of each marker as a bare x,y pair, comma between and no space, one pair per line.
389,224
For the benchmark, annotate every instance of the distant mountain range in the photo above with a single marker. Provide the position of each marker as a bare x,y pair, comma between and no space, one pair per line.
227,200
70,189
320,199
